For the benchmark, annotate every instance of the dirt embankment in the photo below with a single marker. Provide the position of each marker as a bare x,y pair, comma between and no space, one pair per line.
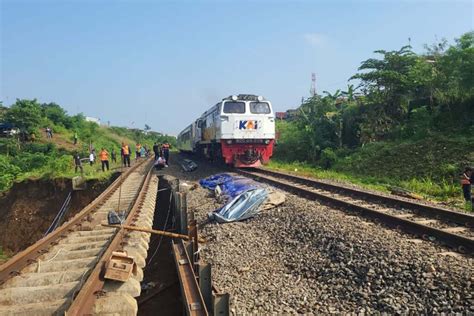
29,207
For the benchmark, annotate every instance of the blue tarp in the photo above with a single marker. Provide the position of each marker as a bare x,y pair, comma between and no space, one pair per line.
230,186
243,195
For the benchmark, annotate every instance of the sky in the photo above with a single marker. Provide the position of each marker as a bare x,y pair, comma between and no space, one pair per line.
163,63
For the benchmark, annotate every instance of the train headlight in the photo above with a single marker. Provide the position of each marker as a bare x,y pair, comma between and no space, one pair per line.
260,98
229,141
267,141
234,98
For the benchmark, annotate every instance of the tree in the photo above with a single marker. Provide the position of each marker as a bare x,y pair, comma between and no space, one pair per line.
388,80
333,96
56,114
349,93
147,127
455,67
319,118
3,111
25,114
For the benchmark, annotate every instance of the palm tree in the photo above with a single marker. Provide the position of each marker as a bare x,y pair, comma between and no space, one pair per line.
349,94
334,96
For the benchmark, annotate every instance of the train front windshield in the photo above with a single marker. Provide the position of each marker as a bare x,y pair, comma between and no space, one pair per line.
239,107
259,108
234,107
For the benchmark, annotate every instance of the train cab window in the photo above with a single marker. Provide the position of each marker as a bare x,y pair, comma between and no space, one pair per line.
259,108
234,107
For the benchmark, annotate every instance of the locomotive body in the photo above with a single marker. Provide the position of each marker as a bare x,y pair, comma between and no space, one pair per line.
239,129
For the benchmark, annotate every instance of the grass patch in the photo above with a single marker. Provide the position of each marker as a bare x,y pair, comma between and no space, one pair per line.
3,256
435,191
308,170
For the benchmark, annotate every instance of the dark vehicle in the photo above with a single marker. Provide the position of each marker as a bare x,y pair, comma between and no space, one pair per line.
8,130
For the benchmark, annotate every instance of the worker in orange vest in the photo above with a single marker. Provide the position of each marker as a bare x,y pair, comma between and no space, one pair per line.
166,152
466,181
125,152
104,158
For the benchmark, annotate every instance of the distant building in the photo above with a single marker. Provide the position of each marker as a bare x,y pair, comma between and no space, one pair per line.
93,119
280,115
292,114
287,116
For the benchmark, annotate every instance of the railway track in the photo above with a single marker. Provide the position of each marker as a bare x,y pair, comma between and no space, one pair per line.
61,272
454,229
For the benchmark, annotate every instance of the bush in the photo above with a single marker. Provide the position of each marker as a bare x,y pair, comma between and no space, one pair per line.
58,166
39,148
8,173
30,161
328,158
9,146
25,114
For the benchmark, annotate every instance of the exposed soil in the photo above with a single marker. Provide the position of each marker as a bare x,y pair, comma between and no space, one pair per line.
29,207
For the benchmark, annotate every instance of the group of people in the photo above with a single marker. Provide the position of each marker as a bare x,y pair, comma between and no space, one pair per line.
103,157
141,151
162,154
126,152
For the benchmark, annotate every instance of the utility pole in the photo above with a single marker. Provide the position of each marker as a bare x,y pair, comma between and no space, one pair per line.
313,85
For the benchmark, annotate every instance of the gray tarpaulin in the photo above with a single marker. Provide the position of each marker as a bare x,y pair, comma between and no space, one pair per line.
244,197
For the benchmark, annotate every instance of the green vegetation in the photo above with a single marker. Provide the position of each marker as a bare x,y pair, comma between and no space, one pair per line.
33,155
3,257
408,123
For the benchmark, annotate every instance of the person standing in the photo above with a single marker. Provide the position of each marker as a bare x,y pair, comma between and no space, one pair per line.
91,158
113,156
138,147
104,159
78,163
466,183
125,151
166,152
75,138
156,151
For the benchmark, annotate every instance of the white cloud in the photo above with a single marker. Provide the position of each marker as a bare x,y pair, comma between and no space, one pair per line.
315,39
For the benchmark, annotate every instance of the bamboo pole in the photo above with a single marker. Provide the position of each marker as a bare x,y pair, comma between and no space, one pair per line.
153,231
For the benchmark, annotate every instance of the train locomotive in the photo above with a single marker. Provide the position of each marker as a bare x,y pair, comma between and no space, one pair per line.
240,130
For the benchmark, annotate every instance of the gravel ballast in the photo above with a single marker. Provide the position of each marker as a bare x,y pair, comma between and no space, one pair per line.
303,257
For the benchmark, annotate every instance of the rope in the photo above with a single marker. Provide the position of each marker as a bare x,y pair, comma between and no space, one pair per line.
61,212
39,261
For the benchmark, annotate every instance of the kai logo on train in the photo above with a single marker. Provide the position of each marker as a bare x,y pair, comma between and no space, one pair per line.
248,124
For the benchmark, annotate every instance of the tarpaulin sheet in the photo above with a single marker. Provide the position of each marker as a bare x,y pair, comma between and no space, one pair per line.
229,186
243,206
243,196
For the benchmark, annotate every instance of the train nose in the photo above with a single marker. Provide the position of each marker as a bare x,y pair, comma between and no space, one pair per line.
250,156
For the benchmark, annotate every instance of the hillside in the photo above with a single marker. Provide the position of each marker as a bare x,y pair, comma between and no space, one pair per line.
32,155
408,123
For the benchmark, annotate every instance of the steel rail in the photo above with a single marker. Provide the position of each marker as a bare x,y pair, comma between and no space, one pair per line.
84,301
423,209
461,243
15,264
193,300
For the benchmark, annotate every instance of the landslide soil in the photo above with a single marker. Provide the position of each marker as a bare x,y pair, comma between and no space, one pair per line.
29,207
